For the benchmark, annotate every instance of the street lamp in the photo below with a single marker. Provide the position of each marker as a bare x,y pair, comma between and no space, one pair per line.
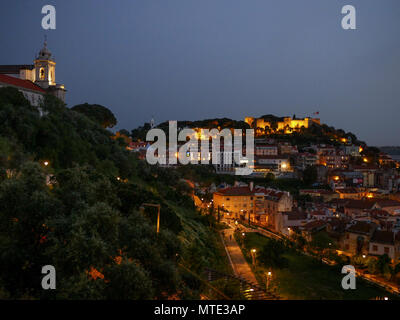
46,163
154,205
253,255
269,275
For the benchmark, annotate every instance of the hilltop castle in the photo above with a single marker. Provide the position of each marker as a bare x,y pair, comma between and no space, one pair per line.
34,80
287,125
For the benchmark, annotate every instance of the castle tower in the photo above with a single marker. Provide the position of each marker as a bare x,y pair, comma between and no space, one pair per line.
45,68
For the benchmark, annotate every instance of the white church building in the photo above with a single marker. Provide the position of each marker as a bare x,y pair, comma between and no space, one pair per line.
35,80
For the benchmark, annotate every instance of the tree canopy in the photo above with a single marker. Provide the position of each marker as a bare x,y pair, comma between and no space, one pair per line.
70,196
98,113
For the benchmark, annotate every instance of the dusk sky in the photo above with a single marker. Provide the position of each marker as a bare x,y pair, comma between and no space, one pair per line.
198,59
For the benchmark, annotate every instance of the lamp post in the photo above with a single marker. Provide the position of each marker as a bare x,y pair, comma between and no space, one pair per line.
242,238
154,205
253,255
269,275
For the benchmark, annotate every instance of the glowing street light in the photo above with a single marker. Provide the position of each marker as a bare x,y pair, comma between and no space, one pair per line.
269,275
46,163
155,205
253,256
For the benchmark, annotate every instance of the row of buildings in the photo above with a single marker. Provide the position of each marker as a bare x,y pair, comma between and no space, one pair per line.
358,226
341,167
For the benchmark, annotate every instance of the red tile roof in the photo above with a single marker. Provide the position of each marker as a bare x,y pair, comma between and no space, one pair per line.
236,191
362,227
296,215
245,191
314,225
385,237
359,204
16,82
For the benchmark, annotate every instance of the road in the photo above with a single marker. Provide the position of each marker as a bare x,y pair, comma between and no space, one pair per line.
239,263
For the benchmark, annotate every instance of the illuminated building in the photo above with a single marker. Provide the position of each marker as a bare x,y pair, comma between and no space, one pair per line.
288,124
36,80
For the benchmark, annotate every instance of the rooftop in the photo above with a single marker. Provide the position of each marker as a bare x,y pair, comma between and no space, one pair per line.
16,82
385,237
362,227
15,68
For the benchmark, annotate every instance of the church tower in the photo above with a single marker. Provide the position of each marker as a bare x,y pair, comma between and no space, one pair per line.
45,73
45,68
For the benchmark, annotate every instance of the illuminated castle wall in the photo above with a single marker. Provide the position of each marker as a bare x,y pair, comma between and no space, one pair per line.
286,124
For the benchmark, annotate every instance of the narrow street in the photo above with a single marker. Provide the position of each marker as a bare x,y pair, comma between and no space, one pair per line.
239,263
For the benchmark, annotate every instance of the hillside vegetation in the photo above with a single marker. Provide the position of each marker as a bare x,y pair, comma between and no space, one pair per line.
70,196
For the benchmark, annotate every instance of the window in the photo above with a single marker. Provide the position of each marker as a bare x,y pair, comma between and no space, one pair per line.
347,247
42,74
386,249
374,248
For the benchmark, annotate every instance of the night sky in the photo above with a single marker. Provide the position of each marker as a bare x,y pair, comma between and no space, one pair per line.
197,59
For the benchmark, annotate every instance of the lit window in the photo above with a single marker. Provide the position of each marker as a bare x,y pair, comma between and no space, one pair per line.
42,74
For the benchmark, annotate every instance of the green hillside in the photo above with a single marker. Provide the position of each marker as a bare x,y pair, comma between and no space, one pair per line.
70,196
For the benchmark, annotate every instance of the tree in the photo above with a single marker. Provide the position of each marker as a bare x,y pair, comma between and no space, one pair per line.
321,241
310,175
299,240
271,255
383,263
9,95
124,132
97,113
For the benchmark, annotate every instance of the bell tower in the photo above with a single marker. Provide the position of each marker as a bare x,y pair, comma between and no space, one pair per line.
45,68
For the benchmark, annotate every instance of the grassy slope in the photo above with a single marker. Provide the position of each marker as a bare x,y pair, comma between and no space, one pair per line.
307,278
207,241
